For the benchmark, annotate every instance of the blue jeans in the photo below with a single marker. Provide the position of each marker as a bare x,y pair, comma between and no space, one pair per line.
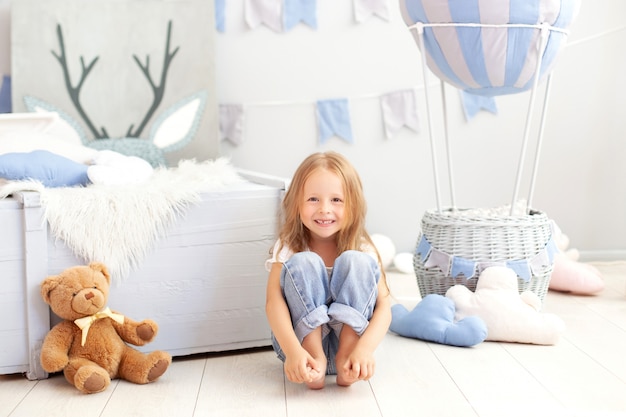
315,299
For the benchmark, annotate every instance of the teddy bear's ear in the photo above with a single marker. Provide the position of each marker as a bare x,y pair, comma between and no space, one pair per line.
47,286
98,266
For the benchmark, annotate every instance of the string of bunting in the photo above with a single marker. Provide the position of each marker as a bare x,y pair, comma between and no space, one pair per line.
398,108
454,266
284,15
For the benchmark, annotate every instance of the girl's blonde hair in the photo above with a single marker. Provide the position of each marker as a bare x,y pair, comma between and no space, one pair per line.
295,235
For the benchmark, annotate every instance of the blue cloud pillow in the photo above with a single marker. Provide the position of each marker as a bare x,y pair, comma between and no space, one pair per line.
50,169
432,320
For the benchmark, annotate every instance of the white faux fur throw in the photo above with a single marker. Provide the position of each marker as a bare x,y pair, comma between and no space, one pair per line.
118,225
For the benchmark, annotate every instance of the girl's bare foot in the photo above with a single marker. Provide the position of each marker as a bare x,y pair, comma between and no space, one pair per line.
312,343
347,342
344,379
318,378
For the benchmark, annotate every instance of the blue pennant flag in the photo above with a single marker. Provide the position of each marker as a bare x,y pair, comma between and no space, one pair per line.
5,95
296,11
334,119
473,103
467,267
423,248
220,6
521,268
551,249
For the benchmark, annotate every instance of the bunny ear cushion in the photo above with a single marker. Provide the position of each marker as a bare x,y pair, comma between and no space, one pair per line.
432,320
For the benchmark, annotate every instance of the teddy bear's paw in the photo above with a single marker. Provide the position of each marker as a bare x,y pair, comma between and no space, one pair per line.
52,361
147,330
160,366
91,380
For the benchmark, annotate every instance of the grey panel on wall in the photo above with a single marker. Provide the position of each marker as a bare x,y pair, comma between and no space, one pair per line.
127,43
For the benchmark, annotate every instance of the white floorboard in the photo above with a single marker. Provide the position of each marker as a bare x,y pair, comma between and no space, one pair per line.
584,375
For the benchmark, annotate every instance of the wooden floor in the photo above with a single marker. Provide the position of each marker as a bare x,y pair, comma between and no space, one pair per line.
583,375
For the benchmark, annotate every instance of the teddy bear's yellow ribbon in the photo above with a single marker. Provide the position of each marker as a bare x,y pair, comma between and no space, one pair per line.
85,323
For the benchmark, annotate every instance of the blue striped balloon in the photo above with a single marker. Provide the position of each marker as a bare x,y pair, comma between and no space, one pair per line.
490,47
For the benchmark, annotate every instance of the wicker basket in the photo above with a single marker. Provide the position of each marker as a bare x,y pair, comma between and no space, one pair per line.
486,237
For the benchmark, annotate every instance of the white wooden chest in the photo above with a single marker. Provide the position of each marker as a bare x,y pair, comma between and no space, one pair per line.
204,283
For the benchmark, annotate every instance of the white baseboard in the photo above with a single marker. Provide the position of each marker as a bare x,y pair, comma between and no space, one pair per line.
602,255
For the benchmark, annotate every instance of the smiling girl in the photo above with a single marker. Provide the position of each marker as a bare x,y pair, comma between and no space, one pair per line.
327,298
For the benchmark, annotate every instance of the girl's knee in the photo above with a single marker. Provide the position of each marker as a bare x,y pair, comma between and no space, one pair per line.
357,265
357,259
354,256
304,267
307,260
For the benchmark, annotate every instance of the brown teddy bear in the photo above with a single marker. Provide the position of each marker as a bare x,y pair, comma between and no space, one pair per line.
89,345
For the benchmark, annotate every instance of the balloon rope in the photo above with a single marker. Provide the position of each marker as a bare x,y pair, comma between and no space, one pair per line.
448,148
539,143
544,42
433,153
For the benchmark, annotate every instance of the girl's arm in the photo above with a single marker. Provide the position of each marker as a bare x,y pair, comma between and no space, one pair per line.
297,359
380,321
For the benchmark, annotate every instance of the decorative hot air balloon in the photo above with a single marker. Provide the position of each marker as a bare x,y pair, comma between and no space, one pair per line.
490,48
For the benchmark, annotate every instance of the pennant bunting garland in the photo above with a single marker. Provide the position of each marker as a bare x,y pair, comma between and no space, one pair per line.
481,266
521,268
333,117
220,16
455,265
439,259
365,8
5,94
399,109
473,103
423,248
283,15
544,258
551,250
231,123
539,262
268,12
297,11
462,266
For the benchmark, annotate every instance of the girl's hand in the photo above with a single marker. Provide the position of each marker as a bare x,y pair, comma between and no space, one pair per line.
359,365
301,367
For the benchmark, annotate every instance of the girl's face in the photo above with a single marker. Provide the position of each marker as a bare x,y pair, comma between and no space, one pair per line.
322,206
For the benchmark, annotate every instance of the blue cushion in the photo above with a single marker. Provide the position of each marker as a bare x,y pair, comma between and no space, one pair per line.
51,169
432,320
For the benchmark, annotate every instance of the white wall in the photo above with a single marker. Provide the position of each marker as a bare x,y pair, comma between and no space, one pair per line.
278,77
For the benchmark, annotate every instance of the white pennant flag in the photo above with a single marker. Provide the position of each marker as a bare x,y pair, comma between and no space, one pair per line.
268,12
231,123
365,8
439,259
399,109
